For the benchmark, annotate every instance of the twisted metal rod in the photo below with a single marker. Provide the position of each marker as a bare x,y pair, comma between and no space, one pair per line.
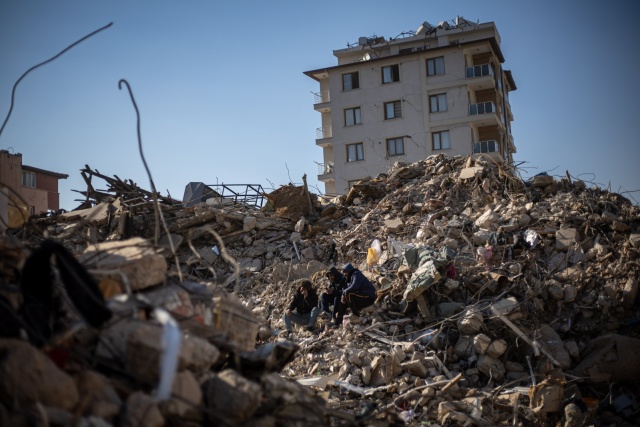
15,85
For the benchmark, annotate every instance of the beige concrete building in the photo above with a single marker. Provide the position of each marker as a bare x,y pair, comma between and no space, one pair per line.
440,89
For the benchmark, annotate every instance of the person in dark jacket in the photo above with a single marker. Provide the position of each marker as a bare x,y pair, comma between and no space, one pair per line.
360,293
333,292
303,308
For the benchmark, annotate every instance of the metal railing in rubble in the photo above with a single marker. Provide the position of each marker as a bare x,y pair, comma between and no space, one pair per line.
248,194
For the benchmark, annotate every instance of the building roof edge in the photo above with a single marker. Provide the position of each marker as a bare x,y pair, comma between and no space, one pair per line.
492,40
46,172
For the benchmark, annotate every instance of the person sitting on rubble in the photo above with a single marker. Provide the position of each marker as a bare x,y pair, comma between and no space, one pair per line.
303,308
359,294
332,293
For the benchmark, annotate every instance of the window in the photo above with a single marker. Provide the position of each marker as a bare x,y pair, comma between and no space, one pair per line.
415,49
438,103
392,110
435,66
355,152
390,74
350,81
352,116
395,146
28,179
441,140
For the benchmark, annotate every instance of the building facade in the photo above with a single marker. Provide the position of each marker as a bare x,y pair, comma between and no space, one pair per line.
440,89
37,188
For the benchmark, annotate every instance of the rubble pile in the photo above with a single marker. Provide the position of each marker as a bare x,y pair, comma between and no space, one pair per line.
500,302
100,347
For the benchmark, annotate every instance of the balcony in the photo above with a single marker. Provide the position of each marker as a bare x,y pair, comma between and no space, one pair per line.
321,101
485,147
325,172
482,108
324,136
479,71
480,77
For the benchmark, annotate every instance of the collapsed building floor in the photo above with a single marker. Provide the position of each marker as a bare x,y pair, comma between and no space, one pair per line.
500,302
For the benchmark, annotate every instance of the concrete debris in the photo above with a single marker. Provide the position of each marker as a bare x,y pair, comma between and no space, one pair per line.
499,302
135,258
46,382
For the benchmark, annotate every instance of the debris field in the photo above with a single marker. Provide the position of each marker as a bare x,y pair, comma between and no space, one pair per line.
500,301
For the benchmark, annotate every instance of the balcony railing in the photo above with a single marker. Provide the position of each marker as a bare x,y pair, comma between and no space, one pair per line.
479,71
485,147
325,168
482,108
323,132
320,97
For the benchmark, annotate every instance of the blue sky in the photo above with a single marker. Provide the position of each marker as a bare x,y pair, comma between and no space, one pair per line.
223,97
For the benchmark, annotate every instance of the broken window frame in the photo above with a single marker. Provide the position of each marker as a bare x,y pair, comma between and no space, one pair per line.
395,146
352,116
392,110
355,152
441,140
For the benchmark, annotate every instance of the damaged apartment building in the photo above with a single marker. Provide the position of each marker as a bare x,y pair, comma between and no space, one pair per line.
439,89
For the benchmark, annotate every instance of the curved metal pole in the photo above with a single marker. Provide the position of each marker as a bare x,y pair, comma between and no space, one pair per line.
15,85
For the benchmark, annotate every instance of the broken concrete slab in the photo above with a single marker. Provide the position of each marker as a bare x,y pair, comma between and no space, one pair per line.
394,225
487,219
566,238
99,214
470,172
136,259
542,180
144,349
